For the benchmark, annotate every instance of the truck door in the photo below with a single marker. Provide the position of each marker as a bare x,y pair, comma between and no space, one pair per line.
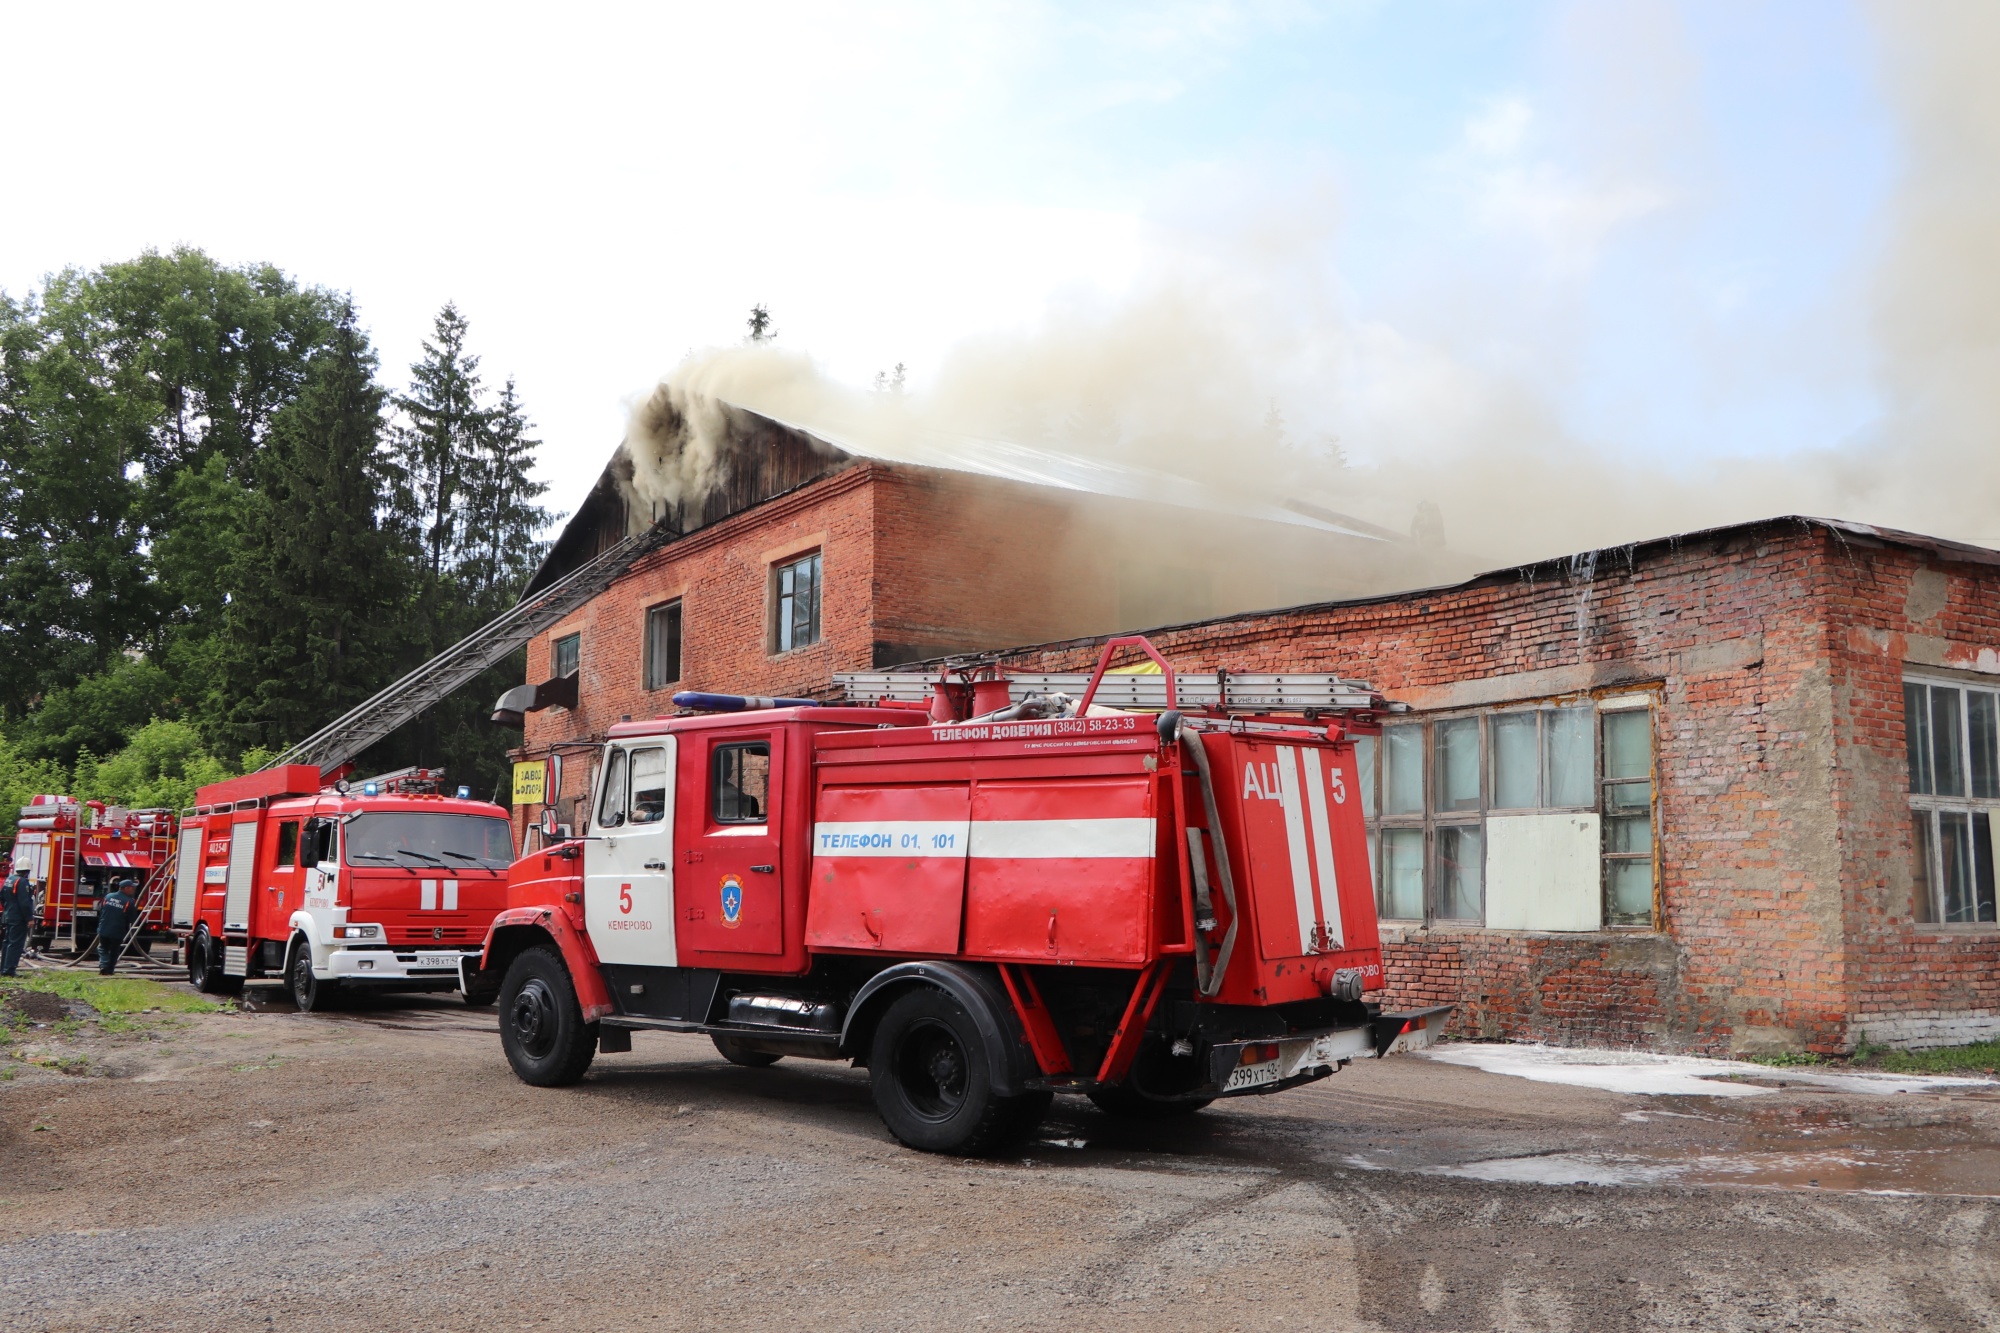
281,895
628,876
730,898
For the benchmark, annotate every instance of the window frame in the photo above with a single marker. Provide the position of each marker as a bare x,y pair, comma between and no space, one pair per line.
782,638
1929,808
574,642
649,669
715,762
1432,820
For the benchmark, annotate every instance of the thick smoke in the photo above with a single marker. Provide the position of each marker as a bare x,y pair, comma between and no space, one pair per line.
1241,371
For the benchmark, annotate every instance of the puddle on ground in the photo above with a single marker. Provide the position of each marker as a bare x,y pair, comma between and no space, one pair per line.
1888,1159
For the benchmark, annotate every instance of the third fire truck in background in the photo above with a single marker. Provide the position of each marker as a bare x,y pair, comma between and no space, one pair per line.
74,851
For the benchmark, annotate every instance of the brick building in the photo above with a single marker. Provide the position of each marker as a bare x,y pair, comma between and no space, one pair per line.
1733,791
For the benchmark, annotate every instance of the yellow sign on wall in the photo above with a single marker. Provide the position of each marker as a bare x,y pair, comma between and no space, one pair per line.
531,782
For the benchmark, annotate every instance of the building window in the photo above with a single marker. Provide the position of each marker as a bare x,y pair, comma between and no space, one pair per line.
1628,816
565,655
663,645
797,603
1952,736
1443,797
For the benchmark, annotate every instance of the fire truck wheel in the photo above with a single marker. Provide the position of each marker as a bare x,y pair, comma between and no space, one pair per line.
734,1051
541,1024
309,993
205,967
932,1081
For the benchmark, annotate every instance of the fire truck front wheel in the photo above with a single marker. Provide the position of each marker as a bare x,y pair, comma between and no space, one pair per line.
541,1024
932,1079
309,993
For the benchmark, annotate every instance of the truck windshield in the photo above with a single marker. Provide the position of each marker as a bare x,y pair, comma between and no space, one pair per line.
430,839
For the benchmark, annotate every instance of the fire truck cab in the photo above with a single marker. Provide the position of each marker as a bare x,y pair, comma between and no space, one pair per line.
1153,909
371,885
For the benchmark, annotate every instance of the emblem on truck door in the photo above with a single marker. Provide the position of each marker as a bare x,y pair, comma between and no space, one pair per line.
732,901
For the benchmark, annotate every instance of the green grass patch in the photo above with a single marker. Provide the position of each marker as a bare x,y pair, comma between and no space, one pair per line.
1787,1059
1981,1057
113,995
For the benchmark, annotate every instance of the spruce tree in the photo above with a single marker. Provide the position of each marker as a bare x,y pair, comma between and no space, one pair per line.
440,439
325,590
502,525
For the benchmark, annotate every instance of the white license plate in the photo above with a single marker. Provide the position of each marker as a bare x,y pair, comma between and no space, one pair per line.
449,960
1252,1076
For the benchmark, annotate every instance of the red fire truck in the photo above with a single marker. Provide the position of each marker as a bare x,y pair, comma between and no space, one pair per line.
74,851
382,884
1155,910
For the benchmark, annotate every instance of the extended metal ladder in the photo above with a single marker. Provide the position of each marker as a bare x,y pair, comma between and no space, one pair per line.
362,726
1242,691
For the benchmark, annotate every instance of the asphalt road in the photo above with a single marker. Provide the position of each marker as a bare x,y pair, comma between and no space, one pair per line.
384,1169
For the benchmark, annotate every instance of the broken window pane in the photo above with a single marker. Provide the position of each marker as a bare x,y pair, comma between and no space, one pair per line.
1981,714
1628,744
1955,864
1460,867
1402,883
1516,762
1923,900
1917,736
1628,892
1403,776
1566,742
1458,764
1947,768
1364,773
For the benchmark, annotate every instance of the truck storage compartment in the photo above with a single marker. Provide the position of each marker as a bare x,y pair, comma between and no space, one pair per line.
888,868
1061,869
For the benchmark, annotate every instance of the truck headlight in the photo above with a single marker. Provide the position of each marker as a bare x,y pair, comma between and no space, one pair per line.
356,932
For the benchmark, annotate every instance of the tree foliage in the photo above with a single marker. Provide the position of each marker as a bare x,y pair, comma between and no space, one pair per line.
217,528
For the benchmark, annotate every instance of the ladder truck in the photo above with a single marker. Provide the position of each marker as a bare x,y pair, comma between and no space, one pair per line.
329,888
987,899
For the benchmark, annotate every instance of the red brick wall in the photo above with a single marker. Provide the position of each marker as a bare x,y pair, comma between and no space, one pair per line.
1895,607
1727,628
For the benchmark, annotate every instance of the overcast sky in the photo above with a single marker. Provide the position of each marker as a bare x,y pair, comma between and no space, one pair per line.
1656,212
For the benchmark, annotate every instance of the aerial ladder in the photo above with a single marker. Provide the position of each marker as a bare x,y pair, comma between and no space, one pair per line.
362,726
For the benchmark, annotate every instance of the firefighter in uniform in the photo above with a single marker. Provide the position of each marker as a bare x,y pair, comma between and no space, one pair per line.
17,912
114,914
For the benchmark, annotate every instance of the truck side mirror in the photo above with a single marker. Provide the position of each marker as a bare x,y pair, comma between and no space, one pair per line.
548,823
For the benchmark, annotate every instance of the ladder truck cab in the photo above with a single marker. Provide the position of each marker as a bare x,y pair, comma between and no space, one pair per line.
382,884
74,851
1001,895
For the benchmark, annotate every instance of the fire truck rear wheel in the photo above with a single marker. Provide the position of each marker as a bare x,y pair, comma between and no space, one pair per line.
734,1051
541,1024
205,967
929,1070
309,993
